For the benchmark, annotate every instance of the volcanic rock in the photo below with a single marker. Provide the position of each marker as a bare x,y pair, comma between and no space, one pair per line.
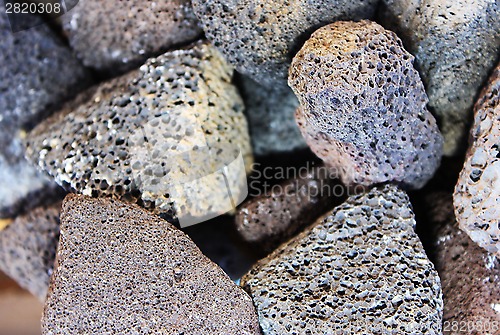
470,276
260,37
38,73
477,193
161,136
270,113
275,216
361,270
122,270
363,106
114,36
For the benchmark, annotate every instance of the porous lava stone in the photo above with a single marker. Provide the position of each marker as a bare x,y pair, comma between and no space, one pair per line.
363,106
273,217
477,193
159,136
360,270
122,270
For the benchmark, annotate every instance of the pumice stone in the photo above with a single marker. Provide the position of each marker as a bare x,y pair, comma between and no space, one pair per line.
363,106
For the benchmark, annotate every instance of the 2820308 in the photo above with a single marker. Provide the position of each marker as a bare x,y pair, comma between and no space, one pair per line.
469,326
33,8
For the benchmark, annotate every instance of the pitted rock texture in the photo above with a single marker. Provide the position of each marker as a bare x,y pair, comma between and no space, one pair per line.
28,248
477,193
152,136
273,217
456,44
361,270
115,36
270,113
470,276
38,73
363,106
121,270
260,37
22,186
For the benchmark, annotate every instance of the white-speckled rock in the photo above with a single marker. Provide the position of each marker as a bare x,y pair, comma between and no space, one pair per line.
160,136
477,193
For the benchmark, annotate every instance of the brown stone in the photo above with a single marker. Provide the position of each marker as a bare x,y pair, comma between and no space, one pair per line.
275,216
122,270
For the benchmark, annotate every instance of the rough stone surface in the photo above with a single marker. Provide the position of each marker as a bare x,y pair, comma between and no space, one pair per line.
22,186
363,106
275,216
28,248
477,193
456,44
114,36
361,270
152,136
260,37
38,72
270,113
121,270
470,276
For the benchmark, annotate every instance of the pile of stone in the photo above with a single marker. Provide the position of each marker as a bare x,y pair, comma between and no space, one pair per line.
152,116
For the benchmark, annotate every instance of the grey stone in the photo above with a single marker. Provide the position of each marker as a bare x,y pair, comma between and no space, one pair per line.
456,44
28,248
114,36
160,136
363,106
270,113
470,276
260,37
477,193
38,73
122,270
360,270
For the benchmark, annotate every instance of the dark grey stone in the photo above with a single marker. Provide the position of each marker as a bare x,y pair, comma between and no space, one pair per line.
114,36
360,270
